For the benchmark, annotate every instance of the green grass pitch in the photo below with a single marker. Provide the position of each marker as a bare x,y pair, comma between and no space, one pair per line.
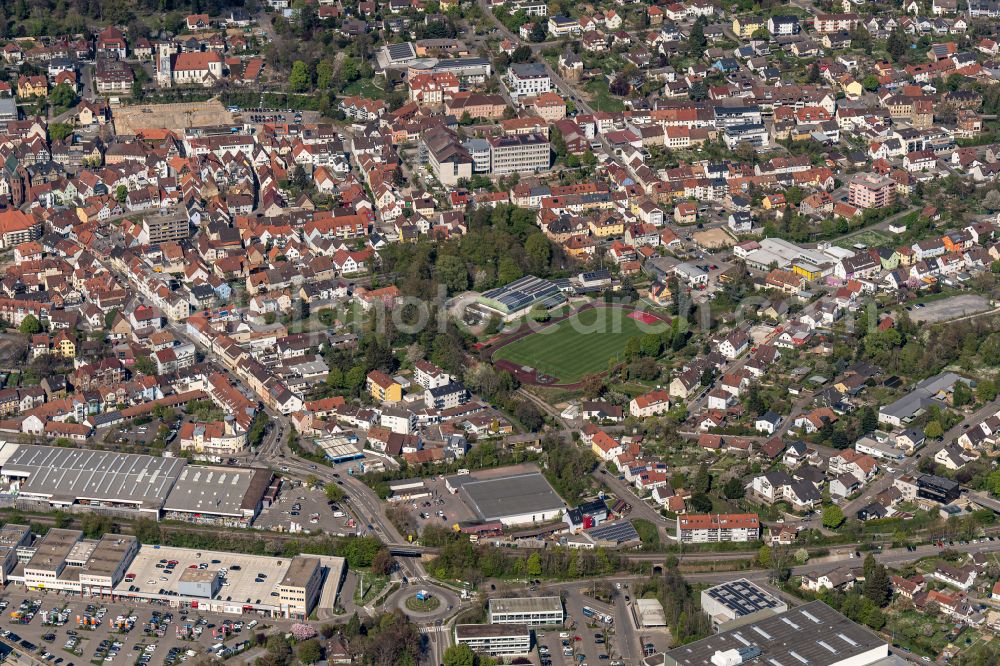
580,345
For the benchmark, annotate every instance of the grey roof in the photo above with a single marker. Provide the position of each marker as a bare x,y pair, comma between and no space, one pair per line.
526,605
921,396
72,474
813,634
528,70
223,491
504,496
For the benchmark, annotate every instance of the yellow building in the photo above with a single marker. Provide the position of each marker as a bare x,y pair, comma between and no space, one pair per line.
64,345
382,387
807,270
853,89
608,226
745,27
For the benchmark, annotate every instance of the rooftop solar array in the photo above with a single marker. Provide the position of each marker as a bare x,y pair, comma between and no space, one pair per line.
620,532
743,597
401,52
524,292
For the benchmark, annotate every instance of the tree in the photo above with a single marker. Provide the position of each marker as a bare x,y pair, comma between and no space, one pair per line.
833,517
299,79
334,493
620,86
733,488
144,365
324,75
877,587
701,503
814,73
62,97
538,249
870,83
962,394
30,325
764,556
696,39
869,419
459,655
991,201
59,131
310,652
522,54
383,563
121,193
534,565
450,271
538,32
986,390
702,479
897,44
933,430
95,525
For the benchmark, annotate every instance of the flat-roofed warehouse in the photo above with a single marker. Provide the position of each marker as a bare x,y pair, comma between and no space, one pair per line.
513,499
227,496
813,634
100,480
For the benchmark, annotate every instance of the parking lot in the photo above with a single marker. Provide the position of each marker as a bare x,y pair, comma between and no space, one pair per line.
948,308
90,630
306,508
441,507
244,578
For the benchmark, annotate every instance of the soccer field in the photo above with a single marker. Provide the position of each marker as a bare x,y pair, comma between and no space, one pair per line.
580,345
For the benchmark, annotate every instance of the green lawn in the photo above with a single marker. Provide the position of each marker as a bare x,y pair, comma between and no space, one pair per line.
580,345
869,238
600,98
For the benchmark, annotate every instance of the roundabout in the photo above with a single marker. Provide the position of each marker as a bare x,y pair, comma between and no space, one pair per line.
423,603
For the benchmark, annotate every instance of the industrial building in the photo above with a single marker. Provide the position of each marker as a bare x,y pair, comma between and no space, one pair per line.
739,600
813,634
228,496
496,640
62,478
125,484
512,499
531,611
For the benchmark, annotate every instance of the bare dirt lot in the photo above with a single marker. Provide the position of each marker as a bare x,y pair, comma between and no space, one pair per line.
175,117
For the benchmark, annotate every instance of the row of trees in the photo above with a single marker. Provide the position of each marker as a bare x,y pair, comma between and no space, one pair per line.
462,560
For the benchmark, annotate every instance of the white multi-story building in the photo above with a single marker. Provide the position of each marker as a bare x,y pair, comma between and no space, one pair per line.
713,528
530,611
528,79
495,639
